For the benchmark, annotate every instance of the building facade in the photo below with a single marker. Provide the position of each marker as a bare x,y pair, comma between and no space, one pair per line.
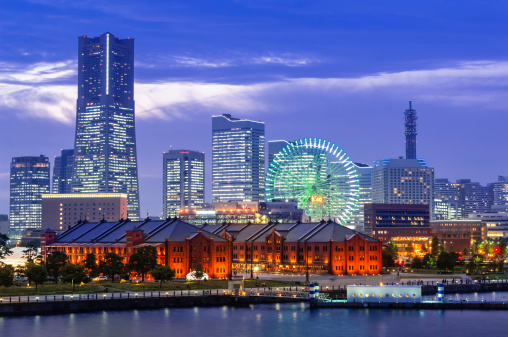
4,224
183,185
274,146
501,191
62,172
105,159
324,248
61,211
457,235
238,159
364,173
407,226
403,181
29,180
179,245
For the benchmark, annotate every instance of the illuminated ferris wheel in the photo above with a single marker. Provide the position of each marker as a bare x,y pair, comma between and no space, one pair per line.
319,175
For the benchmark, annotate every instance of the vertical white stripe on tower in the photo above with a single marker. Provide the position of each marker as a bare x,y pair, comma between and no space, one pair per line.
107,64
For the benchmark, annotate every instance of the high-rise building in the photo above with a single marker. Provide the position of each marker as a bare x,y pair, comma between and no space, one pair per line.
274,146
238,159
30,179
62,172
410,132
501,191
183,181
402,181
4,224
364,173
105,158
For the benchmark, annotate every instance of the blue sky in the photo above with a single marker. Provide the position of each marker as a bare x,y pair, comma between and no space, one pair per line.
339,70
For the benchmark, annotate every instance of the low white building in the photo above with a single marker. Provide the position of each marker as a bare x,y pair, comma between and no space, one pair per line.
384,294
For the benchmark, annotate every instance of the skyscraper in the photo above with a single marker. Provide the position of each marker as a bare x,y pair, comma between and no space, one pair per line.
274,146
62,172
364,173
403,181
501,191
410,131
183,181
105,158
30,179
238,159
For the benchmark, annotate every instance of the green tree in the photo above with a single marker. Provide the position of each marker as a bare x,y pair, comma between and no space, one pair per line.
417,263
162,274
54,262
36,274
91,266
4,250
143,260
392,250
73,273
198,271
112,265
429,261
388,260
434,246
445,261
6,275
31,254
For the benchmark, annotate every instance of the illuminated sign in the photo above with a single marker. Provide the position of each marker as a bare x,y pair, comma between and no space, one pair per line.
318,200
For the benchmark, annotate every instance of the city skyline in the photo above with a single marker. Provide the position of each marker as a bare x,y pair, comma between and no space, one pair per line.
314,88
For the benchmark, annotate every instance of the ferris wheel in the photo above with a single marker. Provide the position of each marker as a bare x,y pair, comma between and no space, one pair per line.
319,175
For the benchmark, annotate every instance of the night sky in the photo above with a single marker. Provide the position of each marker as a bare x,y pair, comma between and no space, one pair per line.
339,70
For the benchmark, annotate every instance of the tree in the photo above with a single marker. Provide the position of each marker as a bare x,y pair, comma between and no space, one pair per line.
392,250
4,250
6,275
429,261
112,265
434,246
31,254
198,271
162,273
445,261
143,260
36,274
388,260
91,267
73,273
54,262
417,263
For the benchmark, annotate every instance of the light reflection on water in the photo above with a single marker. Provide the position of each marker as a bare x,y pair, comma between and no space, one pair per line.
260,320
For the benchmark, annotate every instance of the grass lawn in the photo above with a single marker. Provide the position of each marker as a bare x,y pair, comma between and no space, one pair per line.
180,285
52,289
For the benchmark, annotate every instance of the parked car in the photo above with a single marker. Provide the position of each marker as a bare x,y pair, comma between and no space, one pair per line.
20,279
100,278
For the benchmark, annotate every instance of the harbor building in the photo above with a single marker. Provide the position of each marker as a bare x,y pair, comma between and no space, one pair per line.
183,185
29,180
238,159
61,211
105,159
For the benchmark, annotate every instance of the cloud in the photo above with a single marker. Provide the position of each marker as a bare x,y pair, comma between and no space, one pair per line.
38,92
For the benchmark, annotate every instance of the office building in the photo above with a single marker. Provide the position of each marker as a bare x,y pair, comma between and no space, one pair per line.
364,173
402,181
62,172
238,159
274,146
501,191
61,211
105,159
404,225
4,224
183,184
457,235
463,198
495,221
30,179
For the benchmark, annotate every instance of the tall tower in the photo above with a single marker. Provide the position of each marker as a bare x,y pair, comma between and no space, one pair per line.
410,117
62,172
30,179
238,159
183,181
105,159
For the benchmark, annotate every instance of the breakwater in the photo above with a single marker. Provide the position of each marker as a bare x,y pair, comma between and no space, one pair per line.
75,306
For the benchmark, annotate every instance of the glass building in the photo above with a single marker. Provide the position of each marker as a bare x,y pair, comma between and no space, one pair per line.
183,181
238,159
62,172
364,173
105,159
30,179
